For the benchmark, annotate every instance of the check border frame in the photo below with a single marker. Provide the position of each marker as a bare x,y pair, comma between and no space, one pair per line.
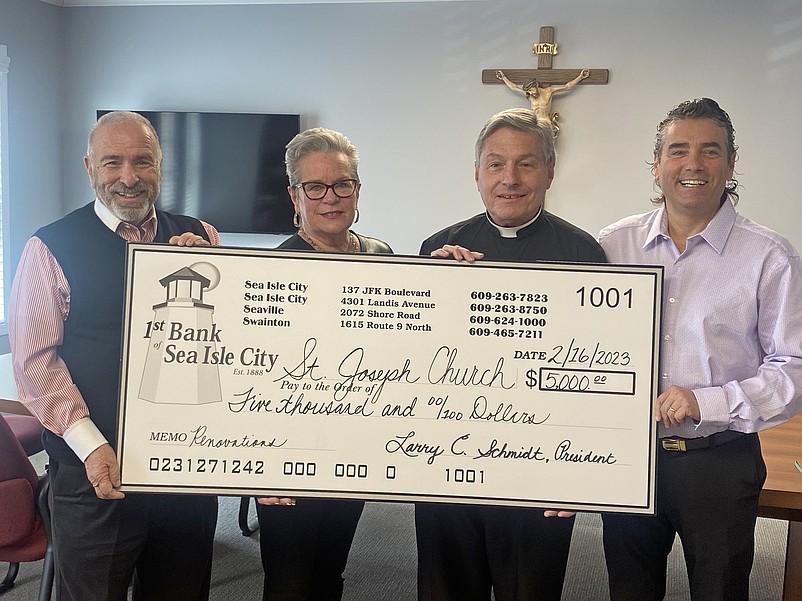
226,490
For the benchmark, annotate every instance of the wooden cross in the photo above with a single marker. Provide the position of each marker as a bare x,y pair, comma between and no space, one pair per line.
545,50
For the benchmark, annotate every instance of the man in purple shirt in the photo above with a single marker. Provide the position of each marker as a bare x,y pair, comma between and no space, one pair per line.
731,362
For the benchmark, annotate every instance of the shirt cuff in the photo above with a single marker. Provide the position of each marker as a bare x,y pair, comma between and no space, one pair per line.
713,409
83,437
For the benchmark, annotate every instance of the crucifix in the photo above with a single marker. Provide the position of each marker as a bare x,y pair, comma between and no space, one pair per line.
539,85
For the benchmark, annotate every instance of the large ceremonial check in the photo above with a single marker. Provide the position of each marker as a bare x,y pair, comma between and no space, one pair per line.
381,377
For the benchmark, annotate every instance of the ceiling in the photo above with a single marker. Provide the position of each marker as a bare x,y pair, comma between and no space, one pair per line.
68,3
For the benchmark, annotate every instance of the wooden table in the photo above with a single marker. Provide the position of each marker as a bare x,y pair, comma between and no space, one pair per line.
781,497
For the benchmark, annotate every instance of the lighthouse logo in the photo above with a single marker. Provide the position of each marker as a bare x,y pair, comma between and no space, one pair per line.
182,340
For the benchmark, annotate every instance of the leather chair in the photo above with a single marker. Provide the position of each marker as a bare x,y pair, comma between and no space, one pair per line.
28,432
23,496
27,428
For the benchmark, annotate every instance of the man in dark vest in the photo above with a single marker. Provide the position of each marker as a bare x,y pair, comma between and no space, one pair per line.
65,328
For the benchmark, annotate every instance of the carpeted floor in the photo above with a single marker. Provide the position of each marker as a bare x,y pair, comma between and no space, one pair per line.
382,563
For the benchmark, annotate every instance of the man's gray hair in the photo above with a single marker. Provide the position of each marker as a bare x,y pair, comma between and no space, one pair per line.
523,120
318,139
123,117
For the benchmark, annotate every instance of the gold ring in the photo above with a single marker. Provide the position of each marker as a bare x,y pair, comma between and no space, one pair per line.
671,409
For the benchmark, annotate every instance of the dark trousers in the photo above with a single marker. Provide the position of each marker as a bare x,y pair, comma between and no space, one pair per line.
305,548
167,539
709,497
465,550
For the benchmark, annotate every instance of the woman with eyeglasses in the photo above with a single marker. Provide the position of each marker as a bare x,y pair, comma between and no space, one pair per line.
324,187
305,542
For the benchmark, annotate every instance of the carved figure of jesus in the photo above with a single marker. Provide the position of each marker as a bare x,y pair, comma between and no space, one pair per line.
540,96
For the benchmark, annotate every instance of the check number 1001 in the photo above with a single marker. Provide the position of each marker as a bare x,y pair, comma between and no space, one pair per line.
605,297
465,475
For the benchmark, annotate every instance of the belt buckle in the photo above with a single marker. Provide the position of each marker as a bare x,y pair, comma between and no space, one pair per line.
673,444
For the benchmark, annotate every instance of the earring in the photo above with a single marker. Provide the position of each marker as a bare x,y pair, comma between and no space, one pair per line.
296,220
357,216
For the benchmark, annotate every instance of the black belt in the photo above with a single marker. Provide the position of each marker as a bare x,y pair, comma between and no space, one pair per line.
695,444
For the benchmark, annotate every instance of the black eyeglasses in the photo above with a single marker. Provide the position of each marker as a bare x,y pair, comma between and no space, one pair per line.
317,190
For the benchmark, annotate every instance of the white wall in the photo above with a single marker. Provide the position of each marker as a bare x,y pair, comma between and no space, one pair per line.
403,81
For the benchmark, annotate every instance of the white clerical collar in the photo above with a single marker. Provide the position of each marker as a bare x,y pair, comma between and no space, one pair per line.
512,232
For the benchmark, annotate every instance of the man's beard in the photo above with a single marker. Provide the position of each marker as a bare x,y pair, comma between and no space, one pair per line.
124,210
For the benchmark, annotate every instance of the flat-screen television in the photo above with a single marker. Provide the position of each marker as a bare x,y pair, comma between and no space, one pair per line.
226,168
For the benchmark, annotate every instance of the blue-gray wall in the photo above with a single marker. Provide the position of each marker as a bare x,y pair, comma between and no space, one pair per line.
403,81
33,34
